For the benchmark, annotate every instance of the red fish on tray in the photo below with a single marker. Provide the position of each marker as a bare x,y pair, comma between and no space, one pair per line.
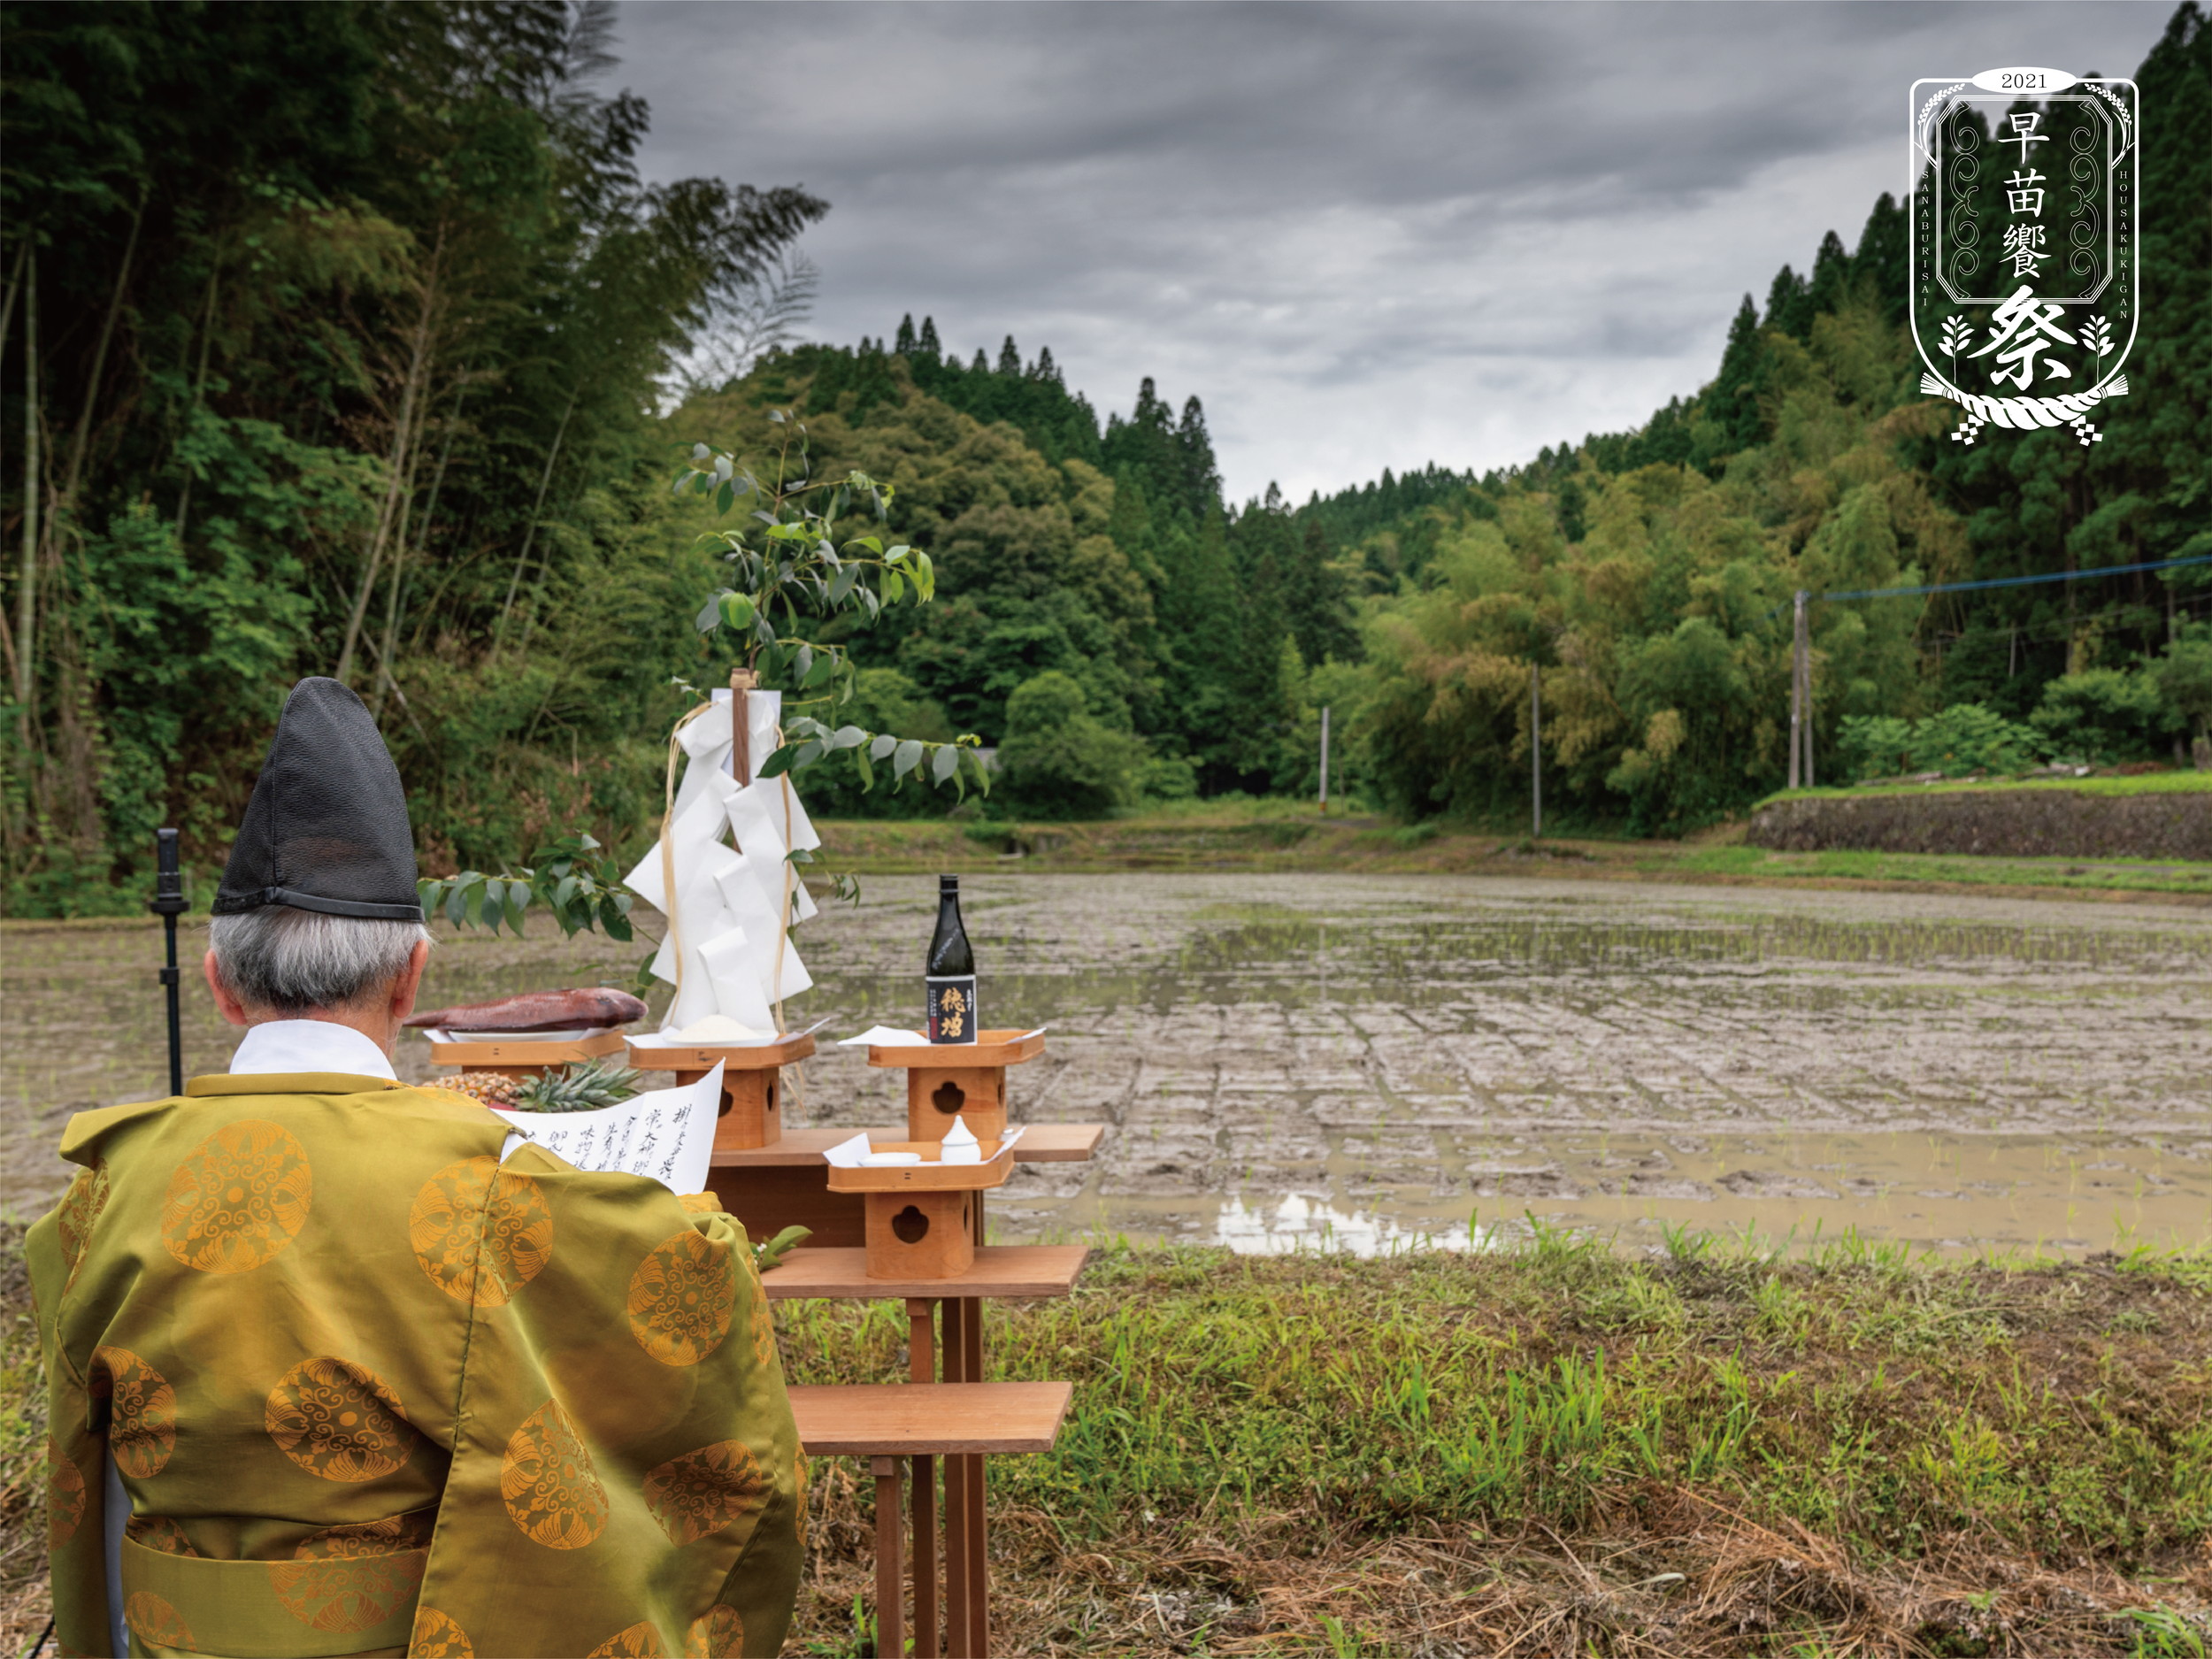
591,1007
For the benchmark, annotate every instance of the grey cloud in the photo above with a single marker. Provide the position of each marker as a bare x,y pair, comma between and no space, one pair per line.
1511,224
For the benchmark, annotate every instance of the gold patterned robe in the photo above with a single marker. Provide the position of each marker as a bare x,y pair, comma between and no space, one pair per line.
371,1390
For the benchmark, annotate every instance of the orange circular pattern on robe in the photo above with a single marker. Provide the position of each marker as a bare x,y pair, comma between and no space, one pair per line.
479,1232
639,1641
142,1421
720,1635
160,1533
704,1491
338,1420
65,1495
393,1533
680,1299
348,1592
154,1621
79,1209
437,1637
239,1199
551,1491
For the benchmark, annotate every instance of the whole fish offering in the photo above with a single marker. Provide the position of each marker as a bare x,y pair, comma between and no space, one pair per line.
591,1008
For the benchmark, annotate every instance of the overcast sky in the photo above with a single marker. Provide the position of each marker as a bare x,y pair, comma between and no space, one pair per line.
1364,234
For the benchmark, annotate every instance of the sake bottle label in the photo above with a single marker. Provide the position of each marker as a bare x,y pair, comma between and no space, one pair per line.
952,1014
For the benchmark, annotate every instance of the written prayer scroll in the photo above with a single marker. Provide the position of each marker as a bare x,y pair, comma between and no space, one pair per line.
666,1134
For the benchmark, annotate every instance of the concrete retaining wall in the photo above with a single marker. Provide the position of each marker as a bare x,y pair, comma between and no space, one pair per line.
2013,823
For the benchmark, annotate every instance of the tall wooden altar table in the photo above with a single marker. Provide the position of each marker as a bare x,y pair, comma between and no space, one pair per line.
999,1271
892,1423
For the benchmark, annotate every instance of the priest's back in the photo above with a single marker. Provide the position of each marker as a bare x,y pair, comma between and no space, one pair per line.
366,1389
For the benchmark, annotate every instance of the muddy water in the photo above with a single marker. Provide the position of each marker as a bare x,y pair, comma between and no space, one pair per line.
1364,1062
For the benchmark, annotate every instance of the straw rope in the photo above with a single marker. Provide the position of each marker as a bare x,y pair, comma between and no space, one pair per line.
668,841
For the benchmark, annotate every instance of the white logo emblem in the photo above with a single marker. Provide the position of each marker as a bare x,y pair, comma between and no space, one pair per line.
2025,245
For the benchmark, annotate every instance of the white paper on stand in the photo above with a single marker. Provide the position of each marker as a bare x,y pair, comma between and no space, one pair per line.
886,1037
672,1037
848,1155
666,1134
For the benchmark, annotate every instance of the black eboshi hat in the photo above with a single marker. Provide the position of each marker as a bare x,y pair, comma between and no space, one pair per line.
326,829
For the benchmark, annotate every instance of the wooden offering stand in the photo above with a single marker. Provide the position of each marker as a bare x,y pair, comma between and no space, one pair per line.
945,1080
946,1411
522,1055
953,1414
922,1218
772,1186
751,1115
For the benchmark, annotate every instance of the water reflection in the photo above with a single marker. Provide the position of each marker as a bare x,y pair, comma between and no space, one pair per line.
1297,1222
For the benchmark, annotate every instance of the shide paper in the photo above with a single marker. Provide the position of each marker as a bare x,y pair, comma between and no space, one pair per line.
733,904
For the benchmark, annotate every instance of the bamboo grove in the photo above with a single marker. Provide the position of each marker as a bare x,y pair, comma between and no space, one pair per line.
332,333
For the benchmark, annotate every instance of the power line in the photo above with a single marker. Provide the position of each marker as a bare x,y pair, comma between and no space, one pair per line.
2011,581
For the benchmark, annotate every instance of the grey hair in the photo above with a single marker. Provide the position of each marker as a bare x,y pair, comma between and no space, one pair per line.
292,961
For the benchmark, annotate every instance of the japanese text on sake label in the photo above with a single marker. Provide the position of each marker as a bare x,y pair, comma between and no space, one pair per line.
2025,242
952,1012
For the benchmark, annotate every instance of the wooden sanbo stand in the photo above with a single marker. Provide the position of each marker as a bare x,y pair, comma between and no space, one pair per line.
751,1113
523,1056
945,1080
924,1220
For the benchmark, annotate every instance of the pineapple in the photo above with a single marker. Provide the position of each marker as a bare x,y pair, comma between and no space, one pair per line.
486,1088
585,1086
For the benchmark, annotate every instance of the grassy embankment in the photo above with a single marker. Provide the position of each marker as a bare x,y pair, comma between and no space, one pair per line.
1285,837
2145,783
1548,1450
1557,1450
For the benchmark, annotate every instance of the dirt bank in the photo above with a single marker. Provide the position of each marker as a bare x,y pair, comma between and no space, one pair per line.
1999,822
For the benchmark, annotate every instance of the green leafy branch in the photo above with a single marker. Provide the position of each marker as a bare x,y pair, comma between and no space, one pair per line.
958,763
794,567
791,566
570,881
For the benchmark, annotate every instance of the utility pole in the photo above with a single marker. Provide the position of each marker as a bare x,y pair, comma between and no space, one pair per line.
1797,684
1535,752
1325,758
1802,700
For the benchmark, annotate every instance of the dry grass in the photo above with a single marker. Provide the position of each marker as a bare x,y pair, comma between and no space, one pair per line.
1926,1459
1676,1576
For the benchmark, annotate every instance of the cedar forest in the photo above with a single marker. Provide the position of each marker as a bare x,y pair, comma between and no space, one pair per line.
346,339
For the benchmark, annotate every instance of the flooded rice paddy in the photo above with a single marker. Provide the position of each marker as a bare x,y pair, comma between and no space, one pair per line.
1366,1062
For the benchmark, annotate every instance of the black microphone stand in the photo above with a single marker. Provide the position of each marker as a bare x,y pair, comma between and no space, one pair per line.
168,904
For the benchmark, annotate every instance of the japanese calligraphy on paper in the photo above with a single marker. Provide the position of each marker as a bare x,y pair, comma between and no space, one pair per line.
2025,238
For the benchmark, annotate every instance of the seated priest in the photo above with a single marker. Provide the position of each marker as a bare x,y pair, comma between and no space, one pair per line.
336,1366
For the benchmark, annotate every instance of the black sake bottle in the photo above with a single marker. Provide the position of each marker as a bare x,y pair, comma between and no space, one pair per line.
950,972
